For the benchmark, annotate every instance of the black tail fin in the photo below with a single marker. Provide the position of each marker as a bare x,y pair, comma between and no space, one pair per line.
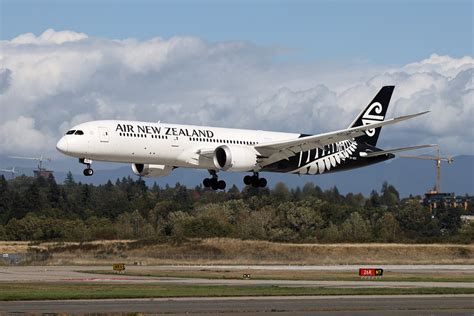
373,113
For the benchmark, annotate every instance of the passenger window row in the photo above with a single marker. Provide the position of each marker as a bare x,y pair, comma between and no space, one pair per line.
193,139
143,135
224,141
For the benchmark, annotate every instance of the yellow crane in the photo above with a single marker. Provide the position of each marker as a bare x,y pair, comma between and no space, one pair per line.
437,160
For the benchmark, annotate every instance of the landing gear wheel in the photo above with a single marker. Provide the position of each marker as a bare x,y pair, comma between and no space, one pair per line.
88,172
213,182
221,184
248,180
255,181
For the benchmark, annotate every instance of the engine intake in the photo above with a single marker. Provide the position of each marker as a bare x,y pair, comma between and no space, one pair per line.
147,170
235,158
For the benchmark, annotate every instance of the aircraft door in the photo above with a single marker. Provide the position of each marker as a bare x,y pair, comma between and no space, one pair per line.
104,134
175,141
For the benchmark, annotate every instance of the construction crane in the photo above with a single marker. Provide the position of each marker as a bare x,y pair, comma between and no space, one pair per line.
40,172
12,171
437,160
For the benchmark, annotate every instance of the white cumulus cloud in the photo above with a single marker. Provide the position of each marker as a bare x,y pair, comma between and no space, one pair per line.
49,36
60,78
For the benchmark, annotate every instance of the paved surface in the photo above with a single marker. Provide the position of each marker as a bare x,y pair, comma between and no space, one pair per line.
427,268
322,305
74,274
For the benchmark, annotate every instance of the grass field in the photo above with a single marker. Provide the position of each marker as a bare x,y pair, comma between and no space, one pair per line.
307,275
56,291
234,251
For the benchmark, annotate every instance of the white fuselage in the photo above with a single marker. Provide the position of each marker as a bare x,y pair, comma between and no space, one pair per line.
158,143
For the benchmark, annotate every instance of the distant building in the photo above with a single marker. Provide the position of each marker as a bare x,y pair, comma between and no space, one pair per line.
42,173
434,200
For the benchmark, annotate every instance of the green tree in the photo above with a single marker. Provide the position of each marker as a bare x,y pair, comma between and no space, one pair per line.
204,227
53,192
311,191
449,219
5,201
374,200
332,234
356,229
69,181
390,195
27,228
304,220
281,192
416,221
466,232
388,229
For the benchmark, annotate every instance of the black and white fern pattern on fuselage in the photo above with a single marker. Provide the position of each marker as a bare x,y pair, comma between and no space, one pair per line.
320,160
343,155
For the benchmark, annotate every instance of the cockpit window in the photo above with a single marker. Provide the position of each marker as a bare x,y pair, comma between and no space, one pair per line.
70,132
79,132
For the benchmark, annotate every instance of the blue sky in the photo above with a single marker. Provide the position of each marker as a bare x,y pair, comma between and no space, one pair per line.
293,66
388,32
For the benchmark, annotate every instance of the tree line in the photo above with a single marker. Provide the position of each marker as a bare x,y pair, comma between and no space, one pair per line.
41,209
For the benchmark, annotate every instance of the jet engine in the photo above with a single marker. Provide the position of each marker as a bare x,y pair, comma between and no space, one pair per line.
146,170
235,158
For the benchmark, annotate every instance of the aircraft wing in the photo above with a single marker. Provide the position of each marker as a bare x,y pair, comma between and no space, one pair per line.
395,150
274,151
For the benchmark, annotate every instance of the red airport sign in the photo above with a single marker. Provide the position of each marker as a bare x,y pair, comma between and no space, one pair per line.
370,272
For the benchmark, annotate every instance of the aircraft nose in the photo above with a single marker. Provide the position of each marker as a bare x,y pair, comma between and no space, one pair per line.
62,145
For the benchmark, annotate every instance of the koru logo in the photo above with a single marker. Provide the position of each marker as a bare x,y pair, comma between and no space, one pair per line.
369,118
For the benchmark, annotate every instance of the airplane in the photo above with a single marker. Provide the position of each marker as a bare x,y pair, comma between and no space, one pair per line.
156,149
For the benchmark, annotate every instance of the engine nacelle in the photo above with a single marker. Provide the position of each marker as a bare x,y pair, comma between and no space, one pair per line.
146,170
235,158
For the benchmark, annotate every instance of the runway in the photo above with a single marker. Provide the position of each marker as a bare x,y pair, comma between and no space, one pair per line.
286,306
79,274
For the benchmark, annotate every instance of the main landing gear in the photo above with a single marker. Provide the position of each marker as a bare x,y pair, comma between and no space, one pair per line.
213,182
88,171
255,181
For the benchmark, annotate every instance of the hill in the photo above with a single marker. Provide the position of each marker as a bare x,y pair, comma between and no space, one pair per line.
409,176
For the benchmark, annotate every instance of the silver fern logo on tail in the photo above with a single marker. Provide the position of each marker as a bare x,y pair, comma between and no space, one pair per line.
373,113
369,118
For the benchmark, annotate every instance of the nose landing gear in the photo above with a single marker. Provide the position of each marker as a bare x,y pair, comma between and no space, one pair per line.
255,181
213,182
88,171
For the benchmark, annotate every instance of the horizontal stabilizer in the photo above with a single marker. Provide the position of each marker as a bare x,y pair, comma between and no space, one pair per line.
395,150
